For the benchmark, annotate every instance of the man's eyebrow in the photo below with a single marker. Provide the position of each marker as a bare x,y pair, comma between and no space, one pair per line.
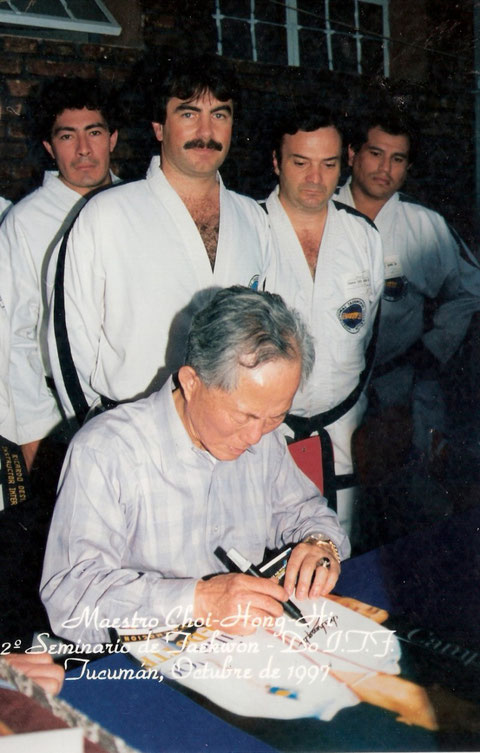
279,415
394,154
186,106
72,129
227,108
323,159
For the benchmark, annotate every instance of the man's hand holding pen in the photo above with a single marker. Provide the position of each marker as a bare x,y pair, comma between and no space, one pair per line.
237,603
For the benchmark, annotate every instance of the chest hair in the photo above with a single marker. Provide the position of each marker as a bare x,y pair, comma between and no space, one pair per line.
206,216
310,243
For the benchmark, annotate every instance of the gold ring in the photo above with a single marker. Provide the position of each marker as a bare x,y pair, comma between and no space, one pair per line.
324,562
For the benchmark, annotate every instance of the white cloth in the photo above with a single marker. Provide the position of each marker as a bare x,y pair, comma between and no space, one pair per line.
28,237
135,259
8,427
339,307
423,259
141,510
5,205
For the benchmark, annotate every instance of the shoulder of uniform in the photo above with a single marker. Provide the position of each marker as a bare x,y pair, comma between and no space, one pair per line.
420,207
247,203
405,198
354,212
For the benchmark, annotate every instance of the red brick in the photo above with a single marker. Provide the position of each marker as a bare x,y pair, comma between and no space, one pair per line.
10,65
95,51
55,68
15,129
19,44
162,22
14,171
19,87
114,75
52,49
11,150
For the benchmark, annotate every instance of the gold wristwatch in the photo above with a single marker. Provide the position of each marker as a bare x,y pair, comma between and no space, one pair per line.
319,539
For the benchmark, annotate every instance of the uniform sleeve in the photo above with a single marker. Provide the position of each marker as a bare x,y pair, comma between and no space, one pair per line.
88,580
7,418
299,509
83,294
35,405
458,296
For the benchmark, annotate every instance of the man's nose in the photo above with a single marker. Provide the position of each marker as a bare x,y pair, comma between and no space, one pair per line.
315,175
204,129
83,144
254,432
384,164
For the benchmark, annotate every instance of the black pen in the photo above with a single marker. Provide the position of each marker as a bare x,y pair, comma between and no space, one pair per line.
246,567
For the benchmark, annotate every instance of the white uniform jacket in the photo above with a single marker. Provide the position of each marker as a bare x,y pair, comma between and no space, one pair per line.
339,306
135,259
5,205
28,236
8,428
423,258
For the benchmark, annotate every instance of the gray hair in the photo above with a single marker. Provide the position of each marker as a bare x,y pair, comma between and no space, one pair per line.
243,327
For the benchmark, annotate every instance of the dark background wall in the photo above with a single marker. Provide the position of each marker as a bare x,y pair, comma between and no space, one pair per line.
432,75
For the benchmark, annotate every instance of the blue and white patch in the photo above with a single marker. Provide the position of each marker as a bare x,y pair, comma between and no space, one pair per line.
254,282
395,288
352,314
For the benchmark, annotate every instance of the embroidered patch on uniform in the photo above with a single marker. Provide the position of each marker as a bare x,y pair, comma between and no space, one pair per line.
253,283
395,288
352,314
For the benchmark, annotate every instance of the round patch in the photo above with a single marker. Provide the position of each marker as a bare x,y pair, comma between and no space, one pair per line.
253,282
395,288
352,314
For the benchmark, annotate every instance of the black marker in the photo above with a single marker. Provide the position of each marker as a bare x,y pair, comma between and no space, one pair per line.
246,567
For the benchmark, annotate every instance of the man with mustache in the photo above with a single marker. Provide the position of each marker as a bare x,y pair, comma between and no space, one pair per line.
327,263
74,122
424,260
137,256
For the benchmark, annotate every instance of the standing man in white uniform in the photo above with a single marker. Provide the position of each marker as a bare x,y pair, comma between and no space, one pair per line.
138,254
327,264
424,259
74,123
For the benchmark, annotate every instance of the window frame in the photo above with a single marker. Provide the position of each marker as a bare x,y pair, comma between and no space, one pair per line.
292,7
15,17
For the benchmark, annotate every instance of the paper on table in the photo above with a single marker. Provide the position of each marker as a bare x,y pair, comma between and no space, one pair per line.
286,671
48,741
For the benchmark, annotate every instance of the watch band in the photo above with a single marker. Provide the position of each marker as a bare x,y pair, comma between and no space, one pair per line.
319,539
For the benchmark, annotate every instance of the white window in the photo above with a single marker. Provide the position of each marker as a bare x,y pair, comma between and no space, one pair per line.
90,16
341,35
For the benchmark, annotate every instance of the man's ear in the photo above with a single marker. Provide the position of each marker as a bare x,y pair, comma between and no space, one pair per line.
158,131
351,155
275,163
113,140
49,149
189,381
